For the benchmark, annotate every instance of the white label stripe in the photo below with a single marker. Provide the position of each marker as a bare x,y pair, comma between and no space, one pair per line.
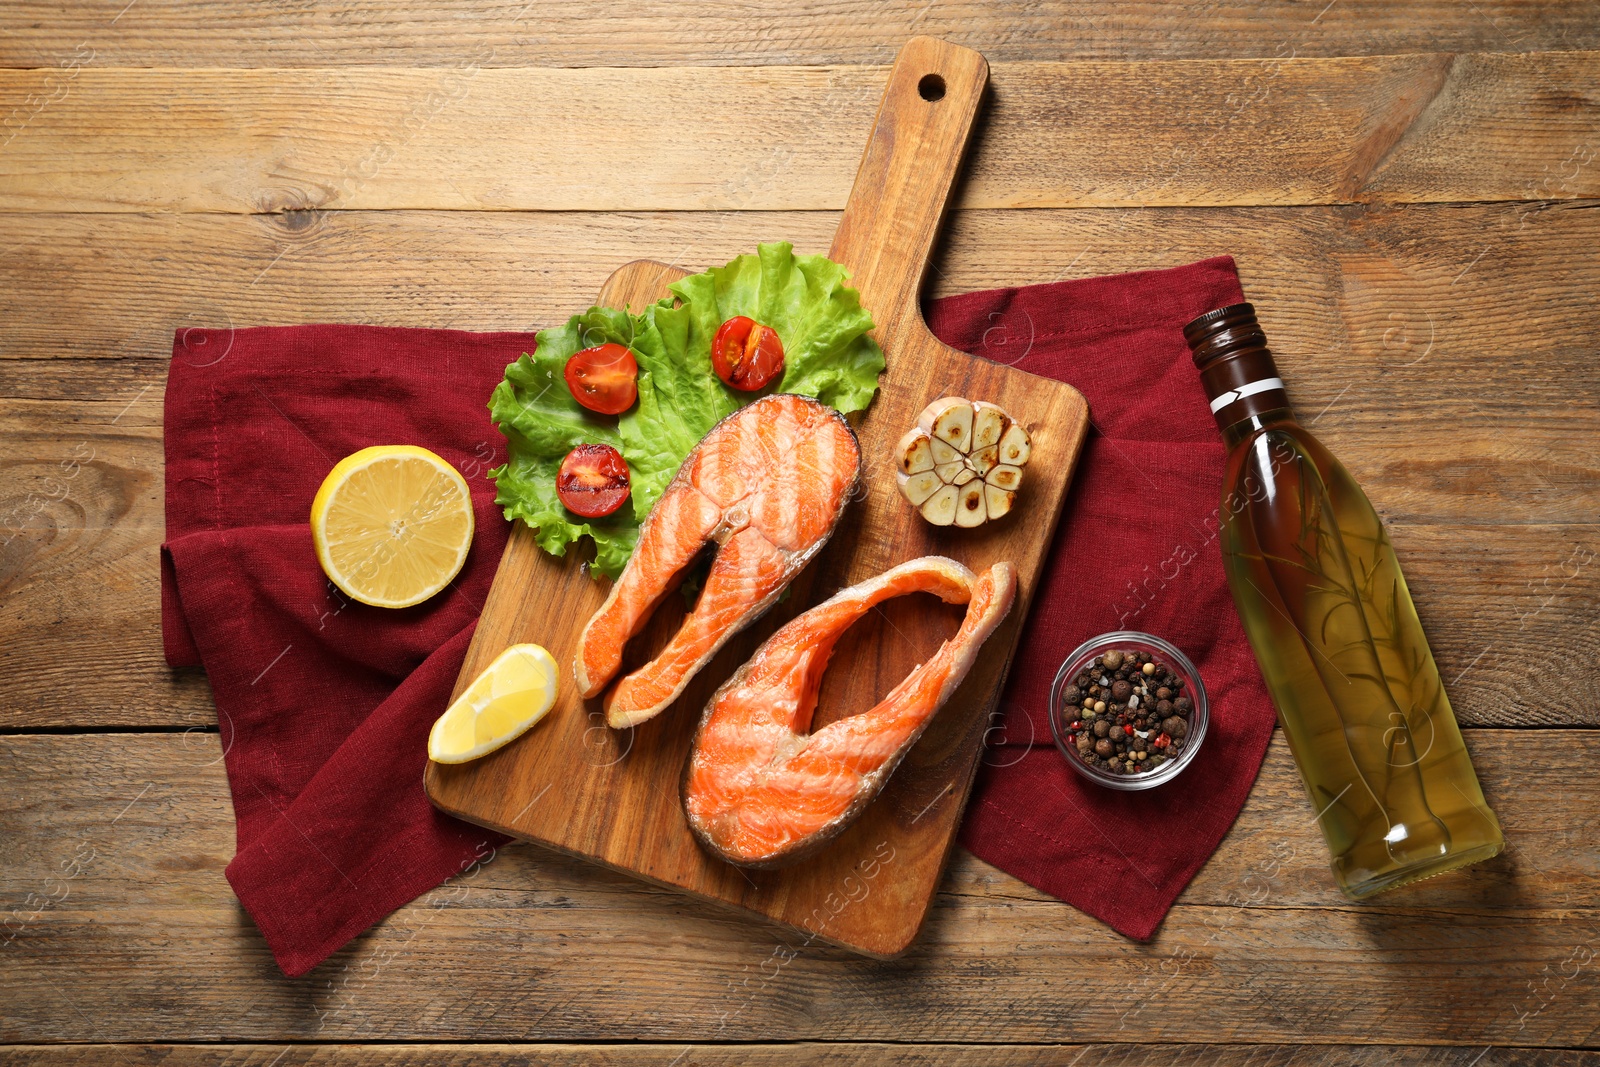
1243,391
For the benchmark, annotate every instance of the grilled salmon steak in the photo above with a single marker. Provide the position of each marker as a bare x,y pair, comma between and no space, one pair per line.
760,789
767,484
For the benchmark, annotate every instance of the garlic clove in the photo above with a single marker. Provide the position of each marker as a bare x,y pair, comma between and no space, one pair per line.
984,459
988,424
963,476
970,507
1005,477
947,471
1015,447
940,508
919,486
943,453
916,452
949,419
997,500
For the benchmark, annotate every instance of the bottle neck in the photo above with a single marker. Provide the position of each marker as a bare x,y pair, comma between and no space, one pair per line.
1235,366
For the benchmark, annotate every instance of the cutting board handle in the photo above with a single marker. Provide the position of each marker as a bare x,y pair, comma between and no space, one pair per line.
890,221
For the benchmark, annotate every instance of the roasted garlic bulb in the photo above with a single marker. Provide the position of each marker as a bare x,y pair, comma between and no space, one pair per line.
962,463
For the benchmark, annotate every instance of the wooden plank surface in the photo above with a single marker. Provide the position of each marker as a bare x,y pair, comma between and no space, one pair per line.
1430,127
1445,352
817,1054
1418,295
593,33
615,799
146,941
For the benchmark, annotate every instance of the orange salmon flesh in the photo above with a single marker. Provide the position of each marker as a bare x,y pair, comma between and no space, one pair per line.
760,789
768,485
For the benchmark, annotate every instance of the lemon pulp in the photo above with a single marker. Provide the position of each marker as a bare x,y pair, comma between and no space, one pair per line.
513,693
392,525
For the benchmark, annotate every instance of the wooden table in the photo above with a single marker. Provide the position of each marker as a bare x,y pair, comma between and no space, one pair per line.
1410,191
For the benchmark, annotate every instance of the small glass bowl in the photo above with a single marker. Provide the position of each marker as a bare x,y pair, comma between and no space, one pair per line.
1129,640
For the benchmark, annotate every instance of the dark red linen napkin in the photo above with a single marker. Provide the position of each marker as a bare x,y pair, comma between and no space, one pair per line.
324,705
1136,550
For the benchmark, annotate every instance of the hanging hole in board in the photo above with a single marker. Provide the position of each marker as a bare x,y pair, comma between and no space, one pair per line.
931,87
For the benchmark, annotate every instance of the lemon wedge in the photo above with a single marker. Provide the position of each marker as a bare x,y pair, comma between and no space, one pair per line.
513,693
392,525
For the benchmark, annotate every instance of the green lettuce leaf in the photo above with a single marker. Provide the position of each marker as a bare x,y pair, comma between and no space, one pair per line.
827,354
823,327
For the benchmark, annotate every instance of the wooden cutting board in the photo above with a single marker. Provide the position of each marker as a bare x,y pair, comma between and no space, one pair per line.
575,785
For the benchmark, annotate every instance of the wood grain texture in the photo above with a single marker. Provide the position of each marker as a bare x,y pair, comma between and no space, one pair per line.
1384,321
613,796
1445,351
816,1054
1429,127
148,941
244,33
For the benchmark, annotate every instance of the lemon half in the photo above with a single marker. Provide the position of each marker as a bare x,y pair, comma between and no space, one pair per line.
513,693
392,525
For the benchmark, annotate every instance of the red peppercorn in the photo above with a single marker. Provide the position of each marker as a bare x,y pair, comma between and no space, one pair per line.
1128,729
1076,725
1163,741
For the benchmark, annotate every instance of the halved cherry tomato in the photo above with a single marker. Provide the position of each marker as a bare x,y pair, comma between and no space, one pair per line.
746,354
593,480
604,378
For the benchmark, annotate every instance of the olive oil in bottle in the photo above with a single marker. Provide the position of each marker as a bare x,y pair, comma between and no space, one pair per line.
1327,612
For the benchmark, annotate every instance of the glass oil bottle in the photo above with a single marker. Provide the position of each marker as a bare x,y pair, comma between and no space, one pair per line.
1333,627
